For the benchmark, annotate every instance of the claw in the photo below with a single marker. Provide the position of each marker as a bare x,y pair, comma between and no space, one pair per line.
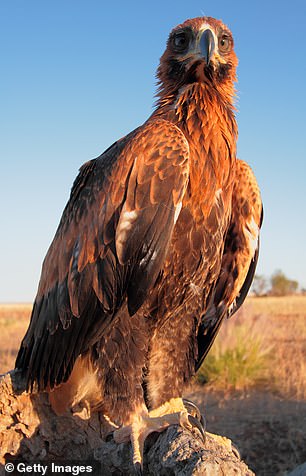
193,410
138,469
236,451
203,422
197,424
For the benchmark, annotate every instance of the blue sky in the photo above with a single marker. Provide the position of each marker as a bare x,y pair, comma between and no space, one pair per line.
77,75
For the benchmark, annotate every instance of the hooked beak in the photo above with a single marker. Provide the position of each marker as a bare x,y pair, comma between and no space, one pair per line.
207,45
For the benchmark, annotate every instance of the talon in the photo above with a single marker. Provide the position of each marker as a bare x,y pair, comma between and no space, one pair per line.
193,410
236,451
203,422
197,424
138,469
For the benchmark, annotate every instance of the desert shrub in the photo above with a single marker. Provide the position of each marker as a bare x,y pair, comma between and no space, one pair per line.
236,361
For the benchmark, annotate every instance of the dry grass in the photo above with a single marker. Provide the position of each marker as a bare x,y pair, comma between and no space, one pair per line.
282,324
264,344
267,339
14,320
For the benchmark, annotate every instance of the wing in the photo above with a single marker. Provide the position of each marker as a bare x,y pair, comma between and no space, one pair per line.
239,259
108,249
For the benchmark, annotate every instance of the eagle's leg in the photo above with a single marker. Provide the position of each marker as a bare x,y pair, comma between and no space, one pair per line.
143,423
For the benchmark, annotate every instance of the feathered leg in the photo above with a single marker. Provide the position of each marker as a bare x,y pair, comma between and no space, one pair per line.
164,389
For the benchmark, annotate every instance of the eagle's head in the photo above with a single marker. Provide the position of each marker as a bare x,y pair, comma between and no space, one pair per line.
200,50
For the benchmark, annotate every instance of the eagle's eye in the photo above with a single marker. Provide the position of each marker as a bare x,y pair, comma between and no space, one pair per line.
180,41
224,43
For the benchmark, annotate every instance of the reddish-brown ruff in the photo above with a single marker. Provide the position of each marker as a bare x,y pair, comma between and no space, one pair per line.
157,244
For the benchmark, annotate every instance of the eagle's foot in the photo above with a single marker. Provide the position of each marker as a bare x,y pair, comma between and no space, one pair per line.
190,415
222,440
173,412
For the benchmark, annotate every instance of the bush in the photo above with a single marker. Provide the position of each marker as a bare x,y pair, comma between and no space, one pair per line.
236,363
281,285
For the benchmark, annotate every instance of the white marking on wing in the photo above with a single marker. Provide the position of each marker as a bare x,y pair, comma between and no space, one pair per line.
218,194
178,209
196,289
126,222
251,231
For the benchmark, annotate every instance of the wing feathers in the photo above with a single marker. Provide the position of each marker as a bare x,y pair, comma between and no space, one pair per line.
239,258
109,246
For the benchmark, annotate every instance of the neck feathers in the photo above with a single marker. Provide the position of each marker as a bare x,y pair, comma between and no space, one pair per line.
201,108
208,122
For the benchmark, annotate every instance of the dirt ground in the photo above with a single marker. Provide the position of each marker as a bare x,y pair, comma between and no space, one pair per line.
269,432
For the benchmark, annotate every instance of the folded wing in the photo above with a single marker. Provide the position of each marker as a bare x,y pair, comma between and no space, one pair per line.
108,249
239,258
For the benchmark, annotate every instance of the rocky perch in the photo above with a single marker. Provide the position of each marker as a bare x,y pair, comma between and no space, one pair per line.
30,432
